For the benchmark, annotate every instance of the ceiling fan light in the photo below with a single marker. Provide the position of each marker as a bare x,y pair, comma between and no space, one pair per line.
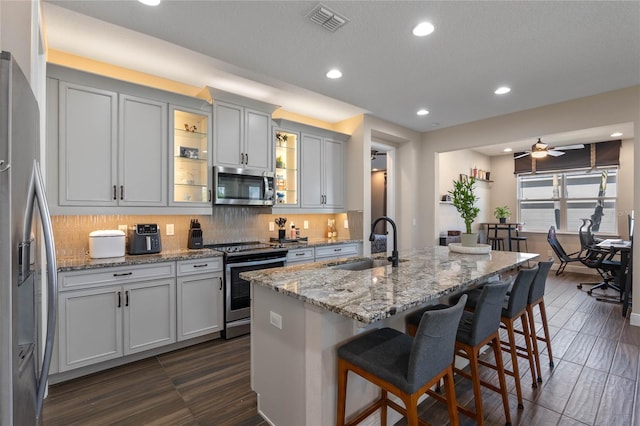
538,154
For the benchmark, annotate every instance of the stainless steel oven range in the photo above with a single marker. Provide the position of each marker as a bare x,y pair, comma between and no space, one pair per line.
243,257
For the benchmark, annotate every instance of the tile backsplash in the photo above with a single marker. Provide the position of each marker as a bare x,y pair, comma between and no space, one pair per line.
226,224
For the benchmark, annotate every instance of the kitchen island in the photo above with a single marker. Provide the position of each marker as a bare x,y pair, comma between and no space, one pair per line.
301,314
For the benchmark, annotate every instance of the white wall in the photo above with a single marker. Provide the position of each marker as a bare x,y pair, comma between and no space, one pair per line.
452,164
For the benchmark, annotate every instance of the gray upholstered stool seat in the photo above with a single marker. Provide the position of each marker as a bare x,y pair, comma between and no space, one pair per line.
379,352
403,365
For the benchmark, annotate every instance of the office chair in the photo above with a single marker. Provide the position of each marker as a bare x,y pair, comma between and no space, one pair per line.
597,258
561,254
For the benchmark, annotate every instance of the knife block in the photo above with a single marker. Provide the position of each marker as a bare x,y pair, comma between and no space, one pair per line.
195,235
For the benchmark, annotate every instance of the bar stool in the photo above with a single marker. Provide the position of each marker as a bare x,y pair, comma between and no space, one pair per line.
536,298
517,240
405,366
497,243
514,310
477,329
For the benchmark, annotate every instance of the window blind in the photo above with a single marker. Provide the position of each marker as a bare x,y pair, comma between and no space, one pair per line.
599,154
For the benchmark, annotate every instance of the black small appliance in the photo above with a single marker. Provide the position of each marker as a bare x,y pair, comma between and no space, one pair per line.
144,238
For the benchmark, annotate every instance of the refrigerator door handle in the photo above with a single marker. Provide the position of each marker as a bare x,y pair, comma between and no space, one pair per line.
37,193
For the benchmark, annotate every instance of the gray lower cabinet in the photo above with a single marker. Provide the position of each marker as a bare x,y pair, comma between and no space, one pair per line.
336,251
115,312
300,256
200,302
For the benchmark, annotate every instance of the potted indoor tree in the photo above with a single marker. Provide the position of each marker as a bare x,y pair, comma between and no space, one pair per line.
464,201
502,213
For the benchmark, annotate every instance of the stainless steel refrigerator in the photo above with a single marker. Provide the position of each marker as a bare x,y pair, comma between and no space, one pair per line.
24,217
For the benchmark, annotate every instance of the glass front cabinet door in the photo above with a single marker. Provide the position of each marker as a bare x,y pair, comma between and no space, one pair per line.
286,179
190,161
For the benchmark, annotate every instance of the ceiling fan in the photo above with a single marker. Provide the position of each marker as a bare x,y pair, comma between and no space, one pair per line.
541,150
375,153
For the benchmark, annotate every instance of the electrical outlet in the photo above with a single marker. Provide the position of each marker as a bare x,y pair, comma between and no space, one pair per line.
170,229
275,320
346,224
271,226
123,228
305,224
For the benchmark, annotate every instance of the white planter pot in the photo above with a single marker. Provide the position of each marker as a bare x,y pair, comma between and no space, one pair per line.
469,240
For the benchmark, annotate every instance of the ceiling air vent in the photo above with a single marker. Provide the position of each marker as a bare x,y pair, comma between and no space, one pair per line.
327,18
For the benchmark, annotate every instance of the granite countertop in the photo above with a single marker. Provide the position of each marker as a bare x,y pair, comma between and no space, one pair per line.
374,294
85,262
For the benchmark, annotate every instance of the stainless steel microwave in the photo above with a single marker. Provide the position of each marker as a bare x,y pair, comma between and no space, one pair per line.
242,187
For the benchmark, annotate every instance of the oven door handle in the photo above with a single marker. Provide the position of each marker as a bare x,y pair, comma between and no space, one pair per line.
257,262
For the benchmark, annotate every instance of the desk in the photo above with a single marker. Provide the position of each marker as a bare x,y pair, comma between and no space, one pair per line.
624,248
504,226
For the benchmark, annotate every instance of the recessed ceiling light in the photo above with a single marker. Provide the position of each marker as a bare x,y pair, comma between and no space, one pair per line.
502,90
150,2
334,73
422,112
616,134
507,150
423,29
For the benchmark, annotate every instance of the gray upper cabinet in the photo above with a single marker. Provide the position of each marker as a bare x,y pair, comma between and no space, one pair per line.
88,157
142,152
106,164
228,135
241,131
321,167
322,173
109,145
259,144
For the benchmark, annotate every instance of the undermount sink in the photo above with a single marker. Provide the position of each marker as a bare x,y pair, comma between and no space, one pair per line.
361,265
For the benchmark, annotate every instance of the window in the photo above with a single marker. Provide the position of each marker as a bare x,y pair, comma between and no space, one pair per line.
563,199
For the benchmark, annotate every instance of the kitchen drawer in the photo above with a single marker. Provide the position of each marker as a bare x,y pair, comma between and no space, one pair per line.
300,255
336,250
115,275
199,266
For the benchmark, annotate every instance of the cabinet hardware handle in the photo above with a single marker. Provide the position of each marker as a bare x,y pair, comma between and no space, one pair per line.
115,195
209,195
220,283
119,300
300,254
246,159
126,298
122,192
337,249
242,158
201,266
124,274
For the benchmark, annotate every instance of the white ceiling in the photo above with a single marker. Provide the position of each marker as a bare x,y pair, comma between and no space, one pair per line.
548,52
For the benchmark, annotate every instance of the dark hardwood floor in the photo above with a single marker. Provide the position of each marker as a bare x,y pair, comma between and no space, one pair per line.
594,381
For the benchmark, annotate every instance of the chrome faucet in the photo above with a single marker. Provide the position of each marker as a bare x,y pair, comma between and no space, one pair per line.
394,254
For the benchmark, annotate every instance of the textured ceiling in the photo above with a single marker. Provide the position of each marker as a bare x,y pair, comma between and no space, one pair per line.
548,52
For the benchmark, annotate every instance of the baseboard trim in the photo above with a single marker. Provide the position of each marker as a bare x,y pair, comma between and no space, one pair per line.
634,319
